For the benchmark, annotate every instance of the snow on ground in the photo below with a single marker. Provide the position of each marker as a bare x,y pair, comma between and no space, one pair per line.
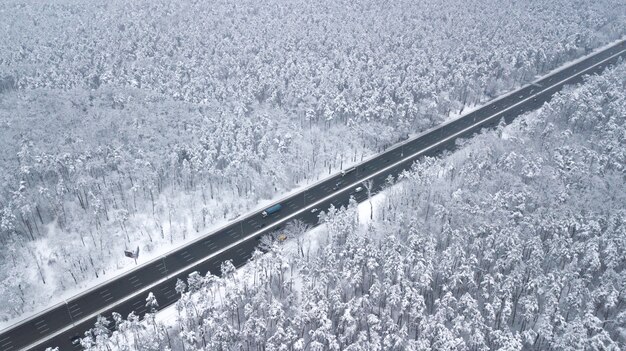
318,236
110,94
157,251
313,239
573,62
154,251
471,108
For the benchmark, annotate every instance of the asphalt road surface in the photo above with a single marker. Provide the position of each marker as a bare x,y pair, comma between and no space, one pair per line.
236,242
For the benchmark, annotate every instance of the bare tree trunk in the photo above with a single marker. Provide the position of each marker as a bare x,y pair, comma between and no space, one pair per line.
43,279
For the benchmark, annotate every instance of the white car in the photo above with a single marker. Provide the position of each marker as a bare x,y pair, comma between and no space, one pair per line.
348,171
358,189
314,210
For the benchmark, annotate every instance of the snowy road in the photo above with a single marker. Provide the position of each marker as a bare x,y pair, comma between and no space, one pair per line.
236,241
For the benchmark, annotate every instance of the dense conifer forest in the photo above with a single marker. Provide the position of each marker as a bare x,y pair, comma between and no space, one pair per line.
515,241
145,124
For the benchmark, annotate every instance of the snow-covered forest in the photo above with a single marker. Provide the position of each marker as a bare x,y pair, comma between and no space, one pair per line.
517,240
143,123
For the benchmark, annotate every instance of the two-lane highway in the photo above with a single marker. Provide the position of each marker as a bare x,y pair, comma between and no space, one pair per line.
236,241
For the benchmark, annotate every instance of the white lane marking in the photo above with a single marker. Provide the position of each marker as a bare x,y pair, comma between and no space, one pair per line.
233,232
241,252
134,281
43,328
607,49
186,256
161,267
106,295
168,292
75,310
210,244
307,208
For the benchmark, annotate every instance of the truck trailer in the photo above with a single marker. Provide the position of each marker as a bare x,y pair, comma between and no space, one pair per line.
271,210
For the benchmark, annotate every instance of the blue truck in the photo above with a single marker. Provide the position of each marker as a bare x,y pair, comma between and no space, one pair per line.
271,210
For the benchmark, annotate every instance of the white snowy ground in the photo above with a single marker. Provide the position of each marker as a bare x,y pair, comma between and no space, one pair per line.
316,237
146,256
313,239
157,251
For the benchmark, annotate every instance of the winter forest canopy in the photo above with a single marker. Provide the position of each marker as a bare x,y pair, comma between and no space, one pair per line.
516,241
146,122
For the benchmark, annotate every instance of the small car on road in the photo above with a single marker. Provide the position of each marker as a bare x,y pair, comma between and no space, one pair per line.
75,339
